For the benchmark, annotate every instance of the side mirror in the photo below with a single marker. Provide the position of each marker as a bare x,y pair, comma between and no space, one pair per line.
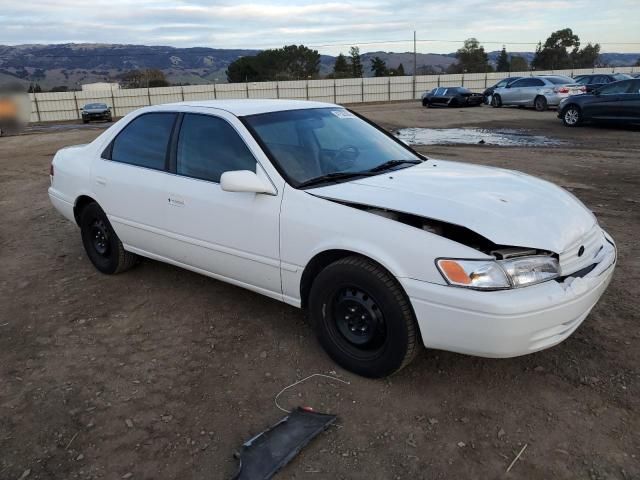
244,181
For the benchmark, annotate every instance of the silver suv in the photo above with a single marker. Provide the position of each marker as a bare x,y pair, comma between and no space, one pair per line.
541,92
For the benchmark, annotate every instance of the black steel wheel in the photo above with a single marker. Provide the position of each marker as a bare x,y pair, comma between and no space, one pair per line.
363,318
103,247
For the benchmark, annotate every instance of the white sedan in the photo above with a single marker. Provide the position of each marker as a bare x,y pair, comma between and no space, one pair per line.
317,207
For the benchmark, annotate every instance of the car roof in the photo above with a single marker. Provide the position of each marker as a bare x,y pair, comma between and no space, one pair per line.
243,107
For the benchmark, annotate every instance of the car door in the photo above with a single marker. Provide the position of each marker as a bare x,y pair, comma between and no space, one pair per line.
511,93
130,180
230,235
606,104
530,90
630,102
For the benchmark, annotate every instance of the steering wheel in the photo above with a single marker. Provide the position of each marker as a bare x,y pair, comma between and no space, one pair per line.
346,156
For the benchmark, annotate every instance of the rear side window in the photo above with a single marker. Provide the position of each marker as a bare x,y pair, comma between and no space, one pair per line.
208,146
616,87
144,141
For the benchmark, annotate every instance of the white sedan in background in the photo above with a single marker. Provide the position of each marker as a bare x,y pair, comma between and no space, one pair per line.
315,206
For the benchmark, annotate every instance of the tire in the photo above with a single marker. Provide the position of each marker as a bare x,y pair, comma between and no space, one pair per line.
540,103
101,243
376,346
572,116
496,101
85,121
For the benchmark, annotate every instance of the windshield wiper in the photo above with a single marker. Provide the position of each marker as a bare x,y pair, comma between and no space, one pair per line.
365,173
333,176
392,163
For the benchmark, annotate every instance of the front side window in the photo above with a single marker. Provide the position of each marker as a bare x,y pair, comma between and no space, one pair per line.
615,88
523,82
326,141
144,141
209,146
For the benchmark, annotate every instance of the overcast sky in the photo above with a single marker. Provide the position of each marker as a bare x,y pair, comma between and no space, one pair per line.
273,23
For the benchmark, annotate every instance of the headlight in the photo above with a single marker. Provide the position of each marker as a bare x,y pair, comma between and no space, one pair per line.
498,274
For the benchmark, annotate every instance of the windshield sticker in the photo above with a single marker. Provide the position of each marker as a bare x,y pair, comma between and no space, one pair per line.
343,114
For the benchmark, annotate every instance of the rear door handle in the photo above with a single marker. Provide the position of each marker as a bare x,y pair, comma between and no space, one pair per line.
101,181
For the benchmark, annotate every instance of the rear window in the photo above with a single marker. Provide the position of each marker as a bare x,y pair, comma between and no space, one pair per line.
144,141
559,80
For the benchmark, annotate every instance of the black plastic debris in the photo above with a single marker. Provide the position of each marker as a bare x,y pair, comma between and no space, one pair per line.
269,451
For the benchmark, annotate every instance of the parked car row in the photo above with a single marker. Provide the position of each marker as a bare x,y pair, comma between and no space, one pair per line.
584,98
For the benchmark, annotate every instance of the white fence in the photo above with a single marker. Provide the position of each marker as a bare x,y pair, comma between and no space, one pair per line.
47,107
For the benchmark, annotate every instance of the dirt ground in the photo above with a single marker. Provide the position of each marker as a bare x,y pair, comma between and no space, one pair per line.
163,373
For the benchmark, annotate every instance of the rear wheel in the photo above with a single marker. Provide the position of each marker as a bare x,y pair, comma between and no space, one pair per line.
572,116
103,247
540,103
496,101
363,318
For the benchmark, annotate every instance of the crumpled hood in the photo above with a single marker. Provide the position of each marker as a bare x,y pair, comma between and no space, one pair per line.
507,207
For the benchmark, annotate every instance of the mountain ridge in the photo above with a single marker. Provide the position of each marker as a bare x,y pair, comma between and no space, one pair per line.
73,64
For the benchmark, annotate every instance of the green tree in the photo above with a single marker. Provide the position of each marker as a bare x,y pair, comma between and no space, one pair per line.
341,68
519,64
60,88
379,67
471,58
400,71
244,69
586,57
291,62
554,54
35,88
356,63
503,64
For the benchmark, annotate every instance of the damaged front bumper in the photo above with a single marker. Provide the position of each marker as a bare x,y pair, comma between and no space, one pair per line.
508,323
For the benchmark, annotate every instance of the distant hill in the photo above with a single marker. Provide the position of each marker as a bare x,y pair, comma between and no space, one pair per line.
71,65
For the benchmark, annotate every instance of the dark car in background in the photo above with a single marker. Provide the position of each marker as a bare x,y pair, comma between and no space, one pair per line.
502,83
616,102
96,111
592,82
451,97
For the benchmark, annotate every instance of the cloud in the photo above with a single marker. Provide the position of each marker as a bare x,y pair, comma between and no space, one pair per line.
271,23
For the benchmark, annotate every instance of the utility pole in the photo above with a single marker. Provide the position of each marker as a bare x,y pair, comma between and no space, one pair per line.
415,65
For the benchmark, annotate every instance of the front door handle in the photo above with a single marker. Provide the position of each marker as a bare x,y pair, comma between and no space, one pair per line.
176,202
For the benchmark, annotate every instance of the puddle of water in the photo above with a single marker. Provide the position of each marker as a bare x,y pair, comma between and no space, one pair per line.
473,136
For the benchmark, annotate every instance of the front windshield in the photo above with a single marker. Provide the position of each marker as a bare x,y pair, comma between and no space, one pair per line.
95,106
310,143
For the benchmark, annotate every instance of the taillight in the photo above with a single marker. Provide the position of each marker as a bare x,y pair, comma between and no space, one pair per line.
561,90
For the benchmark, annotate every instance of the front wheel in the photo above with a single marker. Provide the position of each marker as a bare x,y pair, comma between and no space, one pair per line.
103,247
496,101
540,104
363,318
572,116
